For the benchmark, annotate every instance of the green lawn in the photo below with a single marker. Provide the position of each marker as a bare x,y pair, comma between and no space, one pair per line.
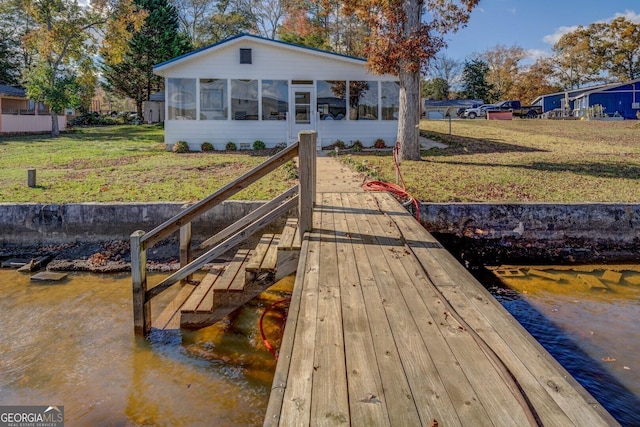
522,161
122,164
487,161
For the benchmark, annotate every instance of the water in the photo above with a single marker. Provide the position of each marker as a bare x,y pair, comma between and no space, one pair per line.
590,327
72,344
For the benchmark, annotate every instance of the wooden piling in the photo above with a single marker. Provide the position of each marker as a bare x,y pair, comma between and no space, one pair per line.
306,171
141,308
31,178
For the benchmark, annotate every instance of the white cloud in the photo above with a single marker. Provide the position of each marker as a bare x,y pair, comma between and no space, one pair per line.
561,31
513,11
629,15
553,38
534,54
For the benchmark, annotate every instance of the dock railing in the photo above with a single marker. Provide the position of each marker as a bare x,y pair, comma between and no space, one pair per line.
303,195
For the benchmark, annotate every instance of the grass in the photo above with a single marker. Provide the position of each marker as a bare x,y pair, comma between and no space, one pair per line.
123,164
522,161
486,161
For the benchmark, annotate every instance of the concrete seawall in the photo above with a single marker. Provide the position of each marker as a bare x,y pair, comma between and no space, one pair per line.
529,230
537,232
37,224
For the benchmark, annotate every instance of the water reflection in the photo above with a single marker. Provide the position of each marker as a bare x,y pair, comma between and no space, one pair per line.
586,317
72,344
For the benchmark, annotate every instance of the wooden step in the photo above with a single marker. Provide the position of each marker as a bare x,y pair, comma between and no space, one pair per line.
197,301
233,278
169,318
290,239
264,259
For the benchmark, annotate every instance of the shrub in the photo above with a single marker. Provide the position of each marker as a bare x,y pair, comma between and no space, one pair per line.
279,147
180,147
638,115
258,145
231,146
379,143
357,146
207,146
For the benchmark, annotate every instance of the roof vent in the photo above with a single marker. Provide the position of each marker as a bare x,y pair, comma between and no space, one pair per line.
245,56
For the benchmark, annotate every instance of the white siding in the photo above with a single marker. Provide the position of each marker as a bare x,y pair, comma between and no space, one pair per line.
270,61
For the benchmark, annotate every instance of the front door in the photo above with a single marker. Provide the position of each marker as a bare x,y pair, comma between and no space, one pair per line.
302,110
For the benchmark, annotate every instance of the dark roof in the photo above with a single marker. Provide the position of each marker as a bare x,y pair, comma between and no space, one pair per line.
576,93
430,103
7,90
157,97
264,39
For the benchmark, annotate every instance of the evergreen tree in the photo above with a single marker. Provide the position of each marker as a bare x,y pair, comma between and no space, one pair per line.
131,74
9,69
474,80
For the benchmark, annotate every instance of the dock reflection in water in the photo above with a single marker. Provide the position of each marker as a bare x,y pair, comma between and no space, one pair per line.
588,318
72,344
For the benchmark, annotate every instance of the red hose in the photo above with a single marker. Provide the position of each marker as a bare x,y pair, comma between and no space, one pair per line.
393,188
264,337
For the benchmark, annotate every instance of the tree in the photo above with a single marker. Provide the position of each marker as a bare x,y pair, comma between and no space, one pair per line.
474,80
156,41
504,66
618,44
227,20
63,39
436,88
534,82
9,68
14,24
575,61
192,16
445,68
404,36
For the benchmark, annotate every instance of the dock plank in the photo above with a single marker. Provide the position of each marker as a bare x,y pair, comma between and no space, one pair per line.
330,402
388,328
398,400
296,403
475,387
367,401
557,397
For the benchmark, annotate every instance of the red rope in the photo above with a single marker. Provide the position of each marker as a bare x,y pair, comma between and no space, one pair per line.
264,337
401,192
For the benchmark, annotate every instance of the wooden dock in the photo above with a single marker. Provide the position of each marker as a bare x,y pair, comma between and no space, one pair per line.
386,328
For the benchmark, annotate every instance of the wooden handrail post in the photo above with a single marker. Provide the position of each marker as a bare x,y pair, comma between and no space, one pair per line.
306,170
185,249
141,307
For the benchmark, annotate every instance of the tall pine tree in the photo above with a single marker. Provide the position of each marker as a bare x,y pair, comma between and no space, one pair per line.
159,39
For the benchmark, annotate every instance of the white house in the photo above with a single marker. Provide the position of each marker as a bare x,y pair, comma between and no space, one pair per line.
249,88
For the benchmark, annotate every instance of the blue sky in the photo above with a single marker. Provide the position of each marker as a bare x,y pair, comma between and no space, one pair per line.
532,24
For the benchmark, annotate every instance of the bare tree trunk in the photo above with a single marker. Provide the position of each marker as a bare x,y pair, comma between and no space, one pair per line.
55,129
409,116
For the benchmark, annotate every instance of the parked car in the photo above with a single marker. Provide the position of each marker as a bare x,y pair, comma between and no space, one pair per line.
480,111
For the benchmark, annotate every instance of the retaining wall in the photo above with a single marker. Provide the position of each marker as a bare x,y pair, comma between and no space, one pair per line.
526,231
37,224
537,232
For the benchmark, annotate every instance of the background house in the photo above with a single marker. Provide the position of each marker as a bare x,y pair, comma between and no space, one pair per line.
19,114
153,109
249,88
623,98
